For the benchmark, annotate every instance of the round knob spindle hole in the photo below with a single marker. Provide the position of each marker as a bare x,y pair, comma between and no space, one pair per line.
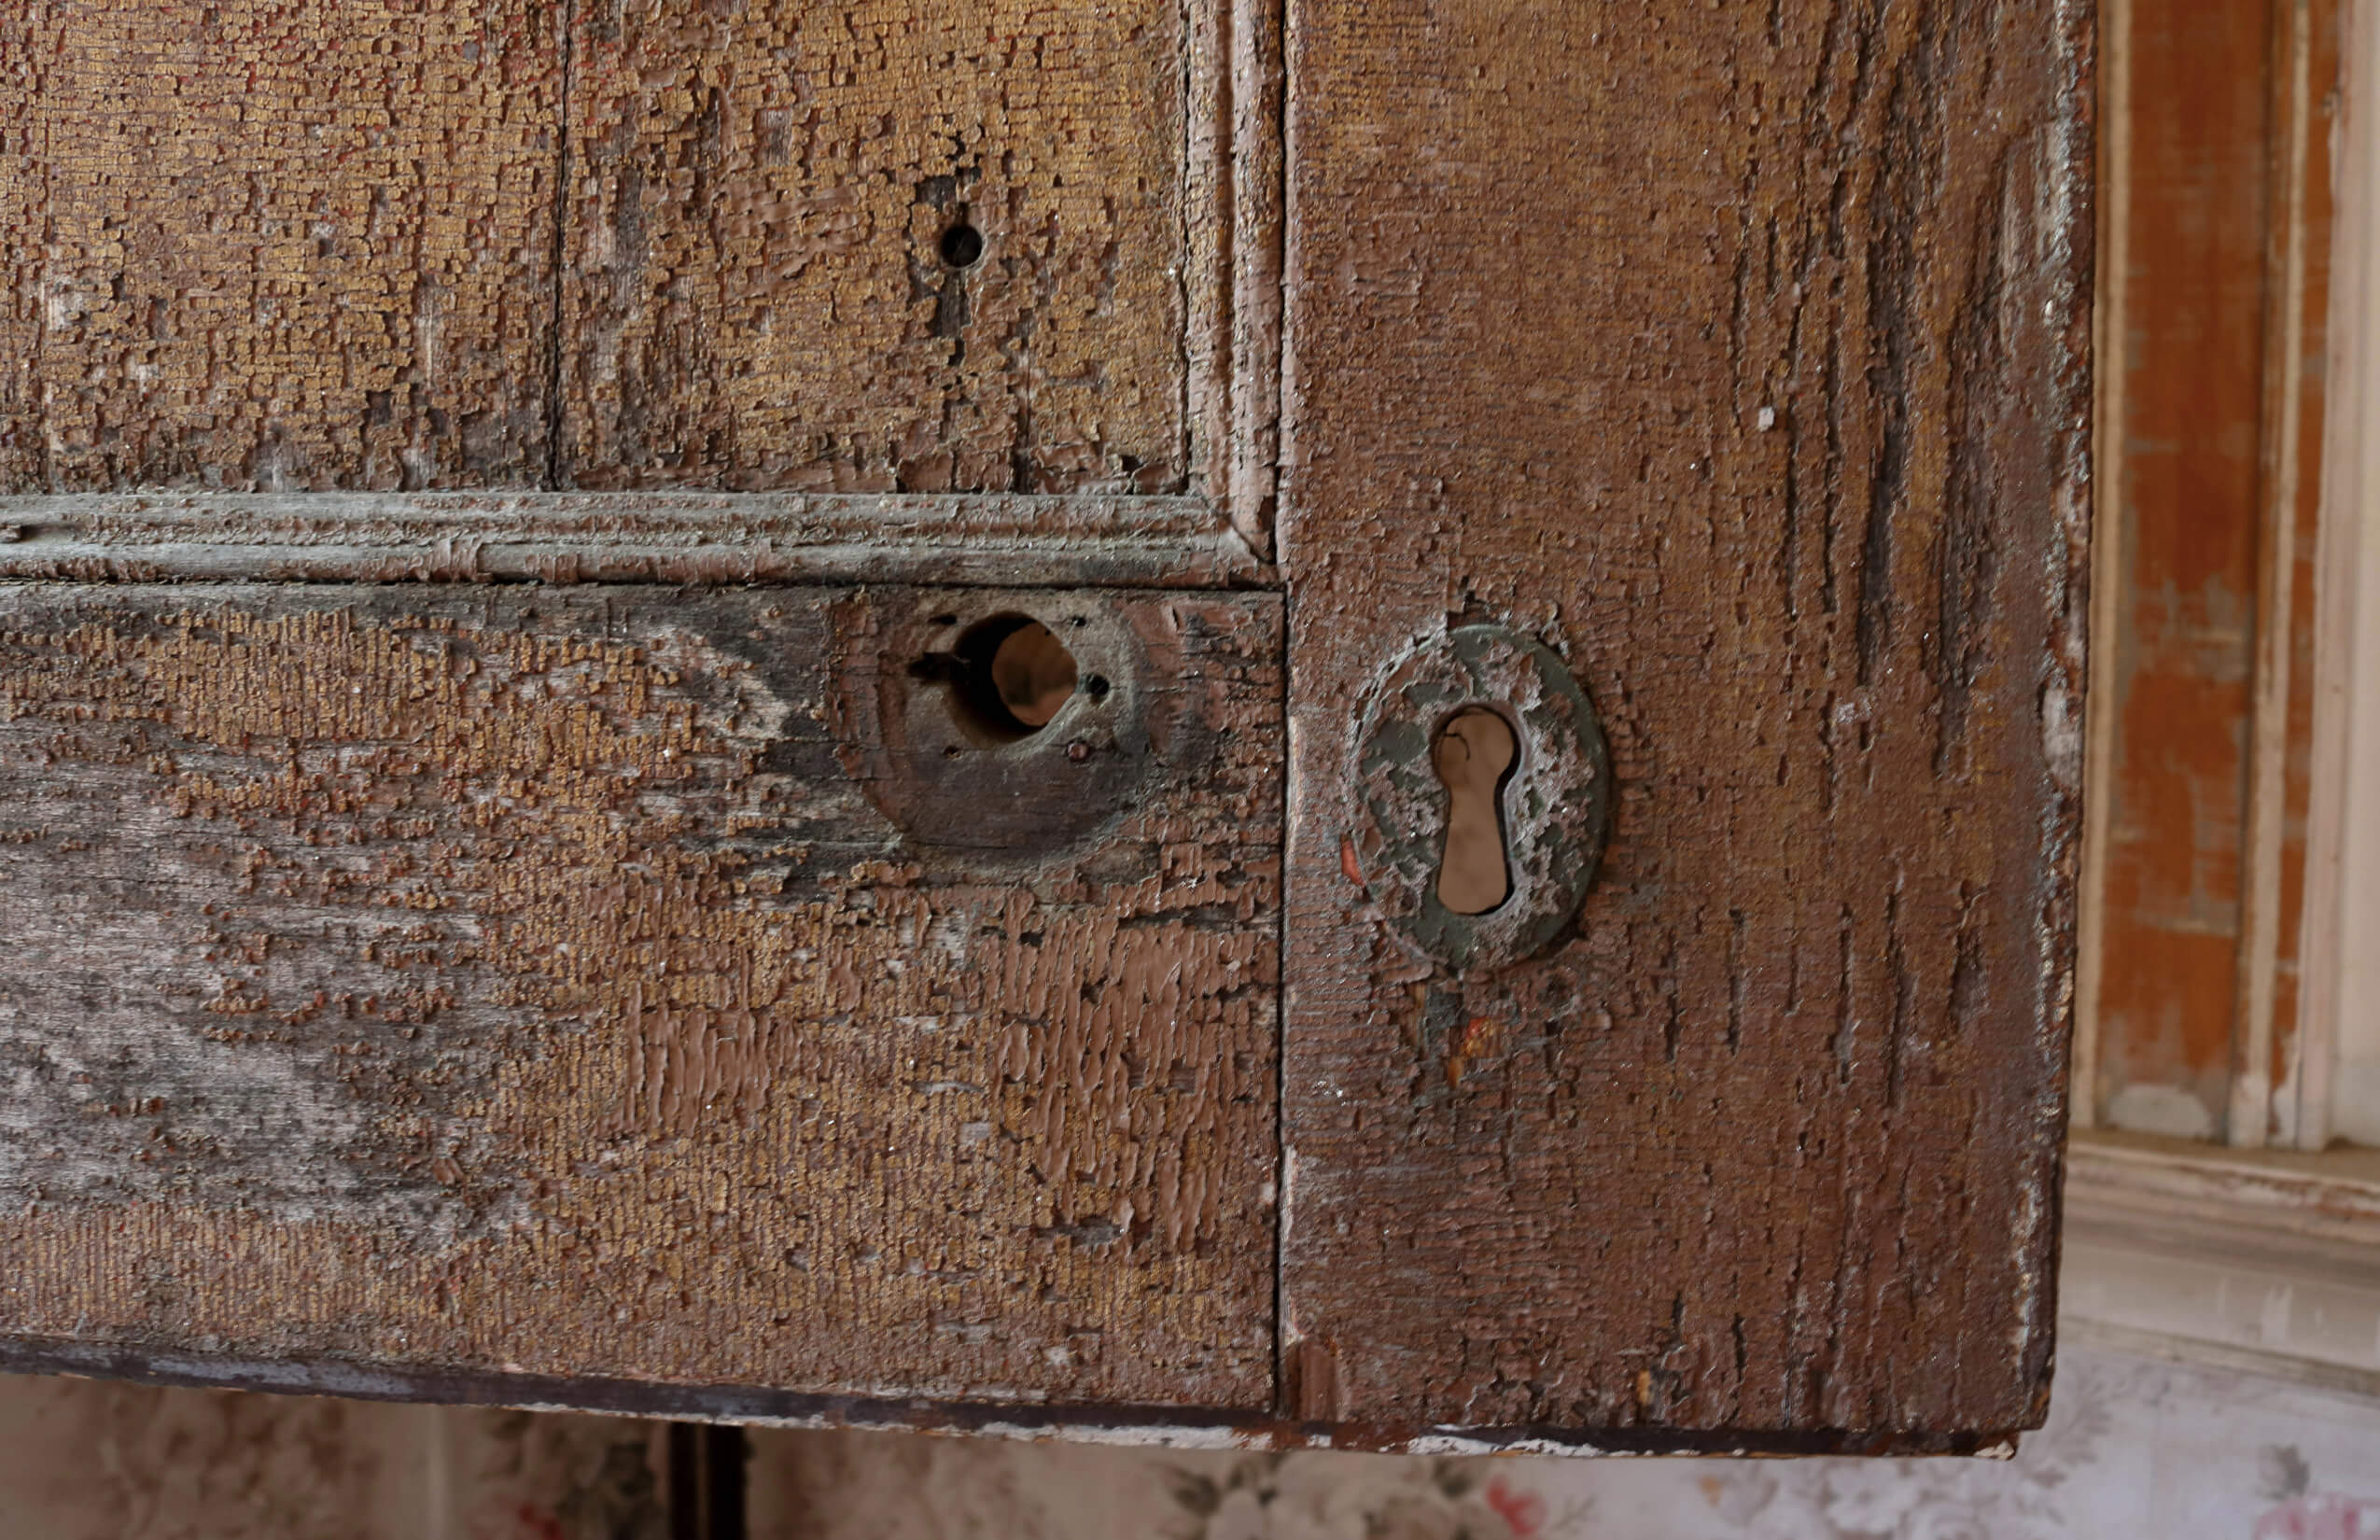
1013,676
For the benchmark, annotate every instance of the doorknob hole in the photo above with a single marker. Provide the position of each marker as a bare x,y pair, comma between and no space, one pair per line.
1010,678
1474,755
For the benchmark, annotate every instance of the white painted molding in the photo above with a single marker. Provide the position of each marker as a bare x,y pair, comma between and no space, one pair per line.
2107,549
2267,1261
2338,1069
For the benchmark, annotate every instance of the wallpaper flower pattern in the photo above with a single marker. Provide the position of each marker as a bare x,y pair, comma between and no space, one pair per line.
2133,1447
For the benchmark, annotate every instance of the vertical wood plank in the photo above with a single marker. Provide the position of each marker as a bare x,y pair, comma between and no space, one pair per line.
2306,87
2215,299
276,246
757,296
1740,353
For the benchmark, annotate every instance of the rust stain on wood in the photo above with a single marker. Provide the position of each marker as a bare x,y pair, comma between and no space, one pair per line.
517,980
1743,359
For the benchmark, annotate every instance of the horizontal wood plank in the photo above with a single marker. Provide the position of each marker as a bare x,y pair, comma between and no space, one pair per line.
626,537
638,983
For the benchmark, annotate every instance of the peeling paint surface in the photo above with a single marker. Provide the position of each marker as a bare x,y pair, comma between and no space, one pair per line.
298,246
1742,358
758,203
517,980
277,247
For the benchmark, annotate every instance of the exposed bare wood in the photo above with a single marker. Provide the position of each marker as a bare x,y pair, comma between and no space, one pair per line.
641,984
1742,357
643,537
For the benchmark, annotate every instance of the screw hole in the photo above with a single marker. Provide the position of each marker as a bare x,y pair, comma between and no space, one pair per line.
1097,687
1009,676
962,245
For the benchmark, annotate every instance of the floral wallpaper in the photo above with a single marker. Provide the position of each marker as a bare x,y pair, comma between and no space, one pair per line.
2136,1449
2133,1447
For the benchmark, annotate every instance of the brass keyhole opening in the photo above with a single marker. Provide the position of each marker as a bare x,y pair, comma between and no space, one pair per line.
1474,755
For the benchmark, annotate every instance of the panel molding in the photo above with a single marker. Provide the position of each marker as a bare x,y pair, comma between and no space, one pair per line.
1000,539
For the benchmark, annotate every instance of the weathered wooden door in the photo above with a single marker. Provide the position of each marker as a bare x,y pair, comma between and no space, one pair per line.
749,707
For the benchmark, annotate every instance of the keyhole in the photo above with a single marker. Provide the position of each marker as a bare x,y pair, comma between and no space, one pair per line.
1473,753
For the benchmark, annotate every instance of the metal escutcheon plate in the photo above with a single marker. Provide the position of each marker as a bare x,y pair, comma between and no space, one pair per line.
1555,803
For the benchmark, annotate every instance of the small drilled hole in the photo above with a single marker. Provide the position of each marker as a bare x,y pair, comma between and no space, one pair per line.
1096,687
962,245
1010,678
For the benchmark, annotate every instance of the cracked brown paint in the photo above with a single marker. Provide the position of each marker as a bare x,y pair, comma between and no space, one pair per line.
566,987
282,246
1739,353
489,244
518,981
757,296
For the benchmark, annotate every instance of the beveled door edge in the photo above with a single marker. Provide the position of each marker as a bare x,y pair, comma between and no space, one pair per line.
1177,1427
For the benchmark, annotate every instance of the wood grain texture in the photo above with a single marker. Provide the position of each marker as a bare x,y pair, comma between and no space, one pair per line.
1740,352
757,298
283,245
582,983
300,247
